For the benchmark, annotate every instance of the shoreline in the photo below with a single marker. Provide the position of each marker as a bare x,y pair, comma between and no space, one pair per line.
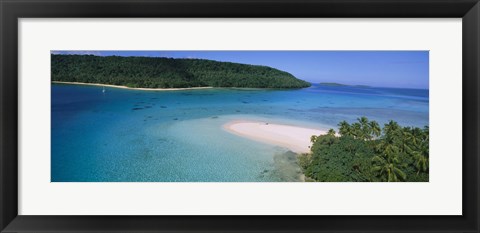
132,88
294,138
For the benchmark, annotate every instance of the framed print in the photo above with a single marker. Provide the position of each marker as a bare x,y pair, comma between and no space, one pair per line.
310,116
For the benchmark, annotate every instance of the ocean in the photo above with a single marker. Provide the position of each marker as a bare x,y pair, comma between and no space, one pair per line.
124,135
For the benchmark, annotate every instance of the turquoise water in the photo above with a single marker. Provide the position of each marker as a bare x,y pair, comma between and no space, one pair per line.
177,136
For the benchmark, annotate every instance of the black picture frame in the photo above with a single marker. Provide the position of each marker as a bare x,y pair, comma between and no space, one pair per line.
11,11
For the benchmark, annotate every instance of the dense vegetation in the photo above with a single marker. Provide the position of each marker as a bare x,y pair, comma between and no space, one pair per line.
365,152
156,72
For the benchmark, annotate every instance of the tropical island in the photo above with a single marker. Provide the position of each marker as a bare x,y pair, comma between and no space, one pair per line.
341,85
160,72
365,152
333,84
359,152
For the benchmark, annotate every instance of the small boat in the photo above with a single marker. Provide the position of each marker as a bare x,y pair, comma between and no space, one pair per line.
103,90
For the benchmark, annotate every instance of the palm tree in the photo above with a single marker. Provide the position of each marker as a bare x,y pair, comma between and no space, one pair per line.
391,131
406,139
357,131
344,129
387,149
388,166
421,156
416,136
331,132
366,130
363,121
426,133
421,162
375,128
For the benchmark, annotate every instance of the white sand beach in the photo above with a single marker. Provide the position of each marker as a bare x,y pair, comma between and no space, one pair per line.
125,87
296,139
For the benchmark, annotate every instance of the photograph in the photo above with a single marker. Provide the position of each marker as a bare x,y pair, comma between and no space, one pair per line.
239,116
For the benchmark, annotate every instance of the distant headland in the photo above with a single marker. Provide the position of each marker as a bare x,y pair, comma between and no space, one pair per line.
341,85
159,72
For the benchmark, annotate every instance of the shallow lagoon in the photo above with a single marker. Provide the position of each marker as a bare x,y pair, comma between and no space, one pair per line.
169,136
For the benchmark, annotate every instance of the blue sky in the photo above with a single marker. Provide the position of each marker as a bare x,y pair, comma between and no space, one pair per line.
404,69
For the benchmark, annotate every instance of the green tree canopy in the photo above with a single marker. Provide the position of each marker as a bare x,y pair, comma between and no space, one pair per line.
157,72
367,153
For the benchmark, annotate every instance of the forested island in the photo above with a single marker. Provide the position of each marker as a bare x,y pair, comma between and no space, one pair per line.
158,72
364,152
342,85
333,84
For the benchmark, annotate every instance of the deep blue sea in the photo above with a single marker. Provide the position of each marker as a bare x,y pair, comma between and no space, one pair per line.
177,136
